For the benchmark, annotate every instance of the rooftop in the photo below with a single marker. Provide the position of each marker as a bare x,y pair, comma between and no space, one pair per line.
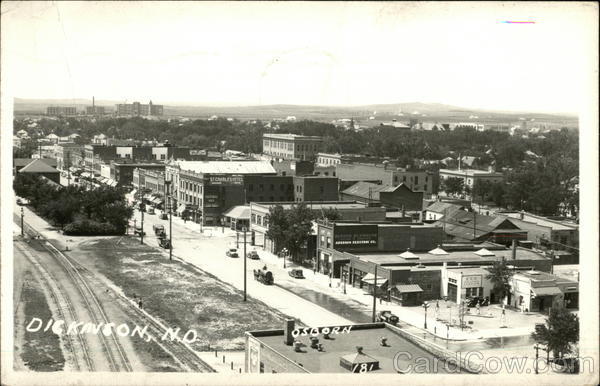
470,172
291,136
26,161
542,221
227,167
542,276
240,212
452,256
443,207
314,205
368,336
38,166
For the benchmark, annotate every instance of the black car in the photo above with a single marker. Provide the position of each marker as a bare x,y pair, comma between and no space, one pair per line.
472,302
388,317
296,273
252,255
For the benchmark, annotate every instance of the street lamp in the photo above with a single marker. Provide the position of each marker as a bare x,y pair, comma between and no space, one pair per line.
245,259
283,254
425,307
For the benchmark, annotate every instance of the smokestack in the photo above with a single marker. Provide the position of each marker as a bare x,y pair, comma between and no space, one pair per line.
289,326
514,249
93,102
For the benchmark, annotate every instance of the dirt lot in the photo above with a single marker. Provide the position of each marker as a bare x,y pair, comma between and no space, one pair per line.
37,352
178,293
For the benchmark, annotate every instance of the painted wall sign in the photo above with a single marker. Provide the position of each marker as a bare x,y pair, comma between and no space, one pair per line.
472,281
226,179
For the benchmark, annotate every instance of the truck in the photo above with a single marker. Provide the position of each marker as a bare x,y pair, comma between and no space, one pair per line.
387,317
264,276
158,229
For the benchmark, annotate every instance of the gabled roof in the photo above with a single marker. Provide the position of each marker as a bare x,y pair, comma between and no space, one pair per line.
362,189
469,226
443,207
20,162
38,166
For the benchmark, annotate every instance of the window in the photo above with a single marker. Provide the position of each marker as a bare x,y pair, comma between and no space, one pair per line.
403,178
322,189
163,156
250,187
322,241
329,242
416,179
281,187
272,187
271,199
261,187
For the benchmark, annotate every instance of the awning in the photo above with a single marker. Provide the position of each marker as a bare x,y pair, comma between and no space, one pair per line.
181,208
408,288
369,278
546,291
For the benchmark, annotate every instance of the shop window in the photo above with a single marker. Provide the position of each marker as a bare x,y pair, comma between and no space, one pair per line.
251,187
329,242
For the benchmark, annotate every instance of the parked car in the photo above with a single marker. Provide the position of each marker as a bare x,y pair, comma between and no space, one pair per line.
232,252
164,242
253,255
158,229
264,276
472,302
296,273
387,317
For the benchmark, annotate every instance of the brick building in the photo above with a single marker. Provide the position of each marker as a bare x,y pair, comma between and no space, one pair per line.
292,146
400,196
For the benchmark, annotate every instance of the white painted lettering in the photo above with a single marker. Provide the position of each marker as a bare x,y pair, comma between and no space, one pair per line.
193,339
106,330
304,332
139,331
295,333
335,330
48,325
171,334
325,331
91,328
346,330
73,327
56,327
33,329
314,331
123,329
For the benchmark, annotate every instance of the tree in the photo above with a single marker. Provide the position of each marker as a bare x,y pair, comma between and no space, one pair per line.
332,214
500,275
278,225
482,188
497,193
560,333
299,228
453,185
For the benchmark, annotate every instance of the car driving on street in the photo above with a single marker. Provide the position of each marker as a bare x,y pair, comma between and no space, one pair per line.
232,252
253,255
296,273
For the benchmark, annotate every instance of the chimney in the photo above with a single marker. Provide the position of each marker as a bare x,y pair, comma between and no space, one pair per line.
289,326
522,215
403,211
514,249
359,349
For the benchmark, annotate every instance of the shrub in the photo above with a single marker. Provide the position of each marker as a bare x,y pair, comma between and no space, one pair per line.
87,227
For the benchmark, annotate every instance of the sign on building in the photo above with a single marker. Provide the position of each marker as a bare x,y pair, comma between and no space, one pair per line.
355,236
225,179
253,355
472,281
197,152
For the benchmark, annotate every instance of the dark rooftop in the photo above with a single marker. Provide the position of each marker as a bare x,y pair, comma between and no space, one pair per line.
366,335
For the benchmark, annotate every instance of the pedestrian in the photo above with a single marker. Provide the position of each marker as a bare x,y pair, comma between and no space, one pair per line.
314,270
140,303
478,306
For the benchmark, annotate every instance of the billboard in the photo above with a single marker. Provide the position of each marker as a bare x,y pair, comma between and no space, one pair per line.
355,236
225,179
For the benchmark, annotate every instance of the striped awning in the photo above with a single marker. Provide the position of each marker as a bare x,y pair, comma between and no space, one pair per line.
546,291
408,288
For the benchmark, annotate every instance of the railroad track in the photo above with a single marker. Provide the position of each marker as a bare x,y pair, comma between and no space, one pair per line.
78,346
181,352
111,345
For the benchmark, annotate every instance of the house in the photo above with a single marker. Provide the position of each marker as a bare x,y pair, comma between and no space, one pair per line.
401,196
542,230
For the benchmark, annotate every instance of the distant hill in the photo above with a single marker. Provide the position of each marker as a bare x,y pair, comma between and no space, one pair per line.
382,112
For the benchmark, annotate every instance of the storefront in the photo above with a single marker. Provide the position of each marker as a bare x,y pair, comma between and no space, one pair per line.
464,283
407,294
539,291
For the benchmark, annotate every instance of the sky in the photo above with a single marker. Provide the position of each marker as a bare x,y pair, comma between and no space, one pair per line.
214,53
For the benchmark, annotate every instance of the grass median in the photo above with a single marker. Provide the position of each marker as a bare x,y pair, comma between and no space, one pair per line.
181,295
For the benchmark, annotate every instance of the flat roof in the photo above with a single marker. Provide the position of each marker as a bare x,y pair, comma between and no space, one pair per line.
542,221
315,205
328,360
291,136
227,167
388,224
543,276
471,172
452,256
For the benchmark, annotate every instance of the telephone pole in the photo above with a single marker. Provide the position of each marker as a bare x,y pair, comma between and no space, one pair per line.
22,214
375,294
142,209
244,230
